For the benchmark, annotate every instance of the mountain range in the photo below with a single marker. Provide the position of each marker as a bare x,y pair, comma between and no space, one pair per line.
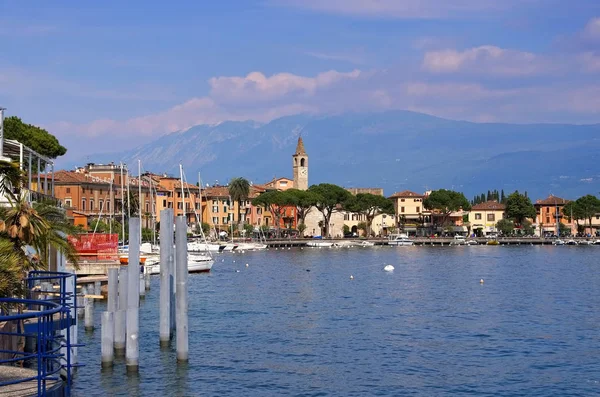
395,150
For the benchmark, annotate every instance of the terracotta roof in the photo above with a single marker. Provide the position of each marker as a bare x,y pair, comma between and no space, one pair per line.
406,193
552,200
300,147
63,176
489,206
223,191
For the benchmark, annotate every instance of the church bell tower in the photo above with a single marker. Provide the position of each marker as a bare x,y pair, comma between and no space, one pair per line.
300,166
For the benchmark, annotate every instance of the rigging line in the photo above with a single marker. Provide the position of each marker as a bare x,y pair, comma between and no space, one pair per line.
184,183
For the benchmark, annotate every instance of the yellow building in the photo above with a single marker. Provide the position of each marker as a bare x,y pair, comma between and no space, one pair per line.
483,217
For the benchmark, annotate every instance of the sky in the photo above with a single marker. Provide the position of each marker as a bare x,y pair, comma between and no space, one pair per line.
104,76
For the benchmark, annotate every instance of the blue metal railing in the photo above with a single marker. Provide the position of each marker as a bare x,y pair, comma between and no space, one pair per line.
43,322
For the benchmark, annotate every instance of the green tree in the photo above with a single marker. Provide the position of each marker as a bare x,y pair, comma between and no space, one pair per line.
239,190
563,229
528,228
505,226
301,229
304,200
370,205
589,206
249,229
329,198
519,208
346,229
276,202
34,137
363,226
446,202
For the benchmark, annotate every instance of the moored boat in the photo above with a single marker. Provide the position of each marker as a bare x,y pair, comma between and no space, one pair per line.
400,240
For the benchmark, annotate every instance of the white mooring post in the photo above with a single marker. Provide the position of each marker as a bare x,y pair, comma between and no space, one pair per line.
133,298
89,314
107,339
113,293
166,260
181,291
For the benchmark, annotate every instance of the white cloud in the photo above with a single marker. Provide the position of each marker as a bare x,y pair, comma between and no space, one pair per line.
590,61
592,29
485,60
257,87
406,9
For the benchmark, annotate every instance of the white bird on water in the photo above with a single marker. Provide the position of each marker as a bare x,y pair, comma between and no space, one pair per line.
389,268
351,277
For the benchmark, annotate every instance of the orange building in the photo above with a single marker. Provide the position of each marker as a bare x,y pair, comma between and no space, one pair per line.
219,211
549,213
169,195
94,192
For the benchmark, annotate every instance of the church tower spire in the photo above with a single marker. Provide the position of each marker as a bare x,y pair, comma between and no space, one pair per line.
300,166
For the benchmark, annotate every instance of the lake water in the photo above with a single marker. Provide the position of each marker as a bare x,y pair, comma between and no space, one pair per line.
429,328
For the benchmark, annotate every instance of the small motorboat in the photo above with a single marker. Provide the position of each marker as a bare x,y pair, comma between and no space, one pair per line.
196,264
571,242
400,240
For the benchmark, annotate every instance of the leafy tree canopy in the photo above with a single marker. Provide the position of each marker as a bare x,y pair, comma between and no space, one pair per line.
505,226
329,196
446,201
519,207
588,206
34,137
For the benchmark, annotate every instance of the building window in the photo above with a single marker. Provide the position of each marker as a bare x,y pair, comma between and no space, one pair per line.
346,217
68,190
477,216
101,204
402,200
215,208
215,220
491,217
83,190
259,211
83,204
108,206
224,208
178,194
68,203
165,203
92,205
215,202
547,219
179,206
225,220
402,208
147,207
547,210
418,210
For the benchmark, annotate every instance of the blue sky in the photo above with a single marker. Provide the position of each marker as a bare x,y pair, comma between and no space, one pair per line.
106,75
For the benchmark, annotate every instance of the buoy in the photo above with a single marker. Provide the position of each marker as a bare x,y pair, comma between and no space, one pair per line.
308,270
389,268
481,281
246,265
233,261
351,277
237,271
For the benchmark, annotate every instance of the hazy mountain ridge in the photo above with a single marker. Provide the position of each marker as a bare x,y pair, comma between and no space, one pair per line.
396,150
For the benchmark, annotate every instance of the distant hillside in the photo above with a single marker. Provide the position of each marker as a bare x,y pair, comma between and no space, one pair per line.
396,150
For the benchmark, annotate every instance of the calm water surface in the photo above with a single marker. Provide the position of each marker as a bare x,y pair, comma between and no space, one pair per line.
429,328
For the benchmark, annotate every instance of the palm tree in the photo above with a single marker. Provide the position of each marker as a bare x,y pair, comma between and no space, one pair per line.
239,190
27,233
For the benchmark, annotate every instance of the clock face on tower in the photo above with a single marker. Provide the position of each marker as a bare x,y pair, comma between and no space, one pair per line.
303,171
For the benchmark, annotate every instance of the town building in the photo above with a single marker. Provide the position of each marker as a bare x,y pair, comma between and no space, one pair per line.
280,184
549,212
170,193
483,217
411,217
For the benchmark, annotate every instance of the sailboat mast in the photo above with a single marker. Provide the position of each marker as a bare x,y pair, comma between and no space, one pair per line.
140,194
110,199
182,193
200,196
122,206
